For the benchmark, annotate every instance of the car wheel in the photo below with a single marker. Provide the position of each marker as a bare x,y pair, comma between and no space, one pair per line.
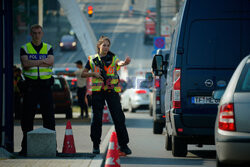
157,128
69,113
179,147
130,108
168,142
124,110
219,164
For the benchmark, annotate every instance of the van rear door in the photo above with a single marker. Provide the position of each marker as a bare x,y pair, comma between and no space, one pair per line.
213,52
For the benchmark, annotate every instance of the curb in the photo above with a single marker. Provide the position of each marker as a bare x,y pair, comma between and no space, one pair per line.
4,154
99,160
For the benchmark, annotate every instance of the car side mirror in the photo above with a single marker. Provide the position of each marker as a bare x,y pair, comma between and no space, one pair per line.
217,94
157,65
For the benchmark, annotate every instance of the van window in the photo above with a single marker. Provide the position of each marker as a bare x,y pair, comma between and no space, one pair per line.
214,43
244,80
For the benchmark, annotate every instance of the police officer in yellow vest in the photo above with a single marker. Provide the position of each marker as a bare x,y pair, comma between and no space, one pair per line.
105,87
37,60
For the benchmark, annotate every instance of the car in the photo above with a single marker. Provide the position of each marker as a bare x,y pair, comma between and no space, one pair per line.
208,42
68,42
62,97
232,126
136,96
71,80
157,107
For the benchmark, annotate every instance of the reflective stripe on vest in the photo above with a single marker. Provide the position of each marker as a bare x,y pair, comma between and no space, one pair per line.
111,71
34,72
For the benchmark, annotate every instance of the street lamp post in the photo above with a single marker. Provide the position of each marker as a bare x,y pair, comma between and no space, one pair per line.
40,12
158,18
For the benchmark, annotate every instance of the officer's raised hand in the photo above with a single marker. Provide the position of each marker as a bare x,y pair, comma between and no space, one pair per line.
125,62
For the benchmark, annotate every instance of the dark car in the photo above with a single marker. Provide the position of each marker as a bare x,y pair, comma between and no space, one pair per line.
157,105
232,127
62,97
68,42
71,80
210,39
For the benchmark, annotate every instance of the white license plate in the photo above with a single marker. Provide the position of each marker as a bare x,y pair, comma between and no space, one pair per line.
204,100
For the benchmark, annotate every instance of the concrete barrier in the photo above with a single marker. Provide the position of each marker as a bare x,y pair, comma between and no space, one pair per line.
41,143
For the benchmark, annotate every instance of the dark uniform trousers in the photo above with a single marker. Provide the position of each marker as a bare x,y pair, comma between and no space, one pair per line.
114,105
37,93
81,92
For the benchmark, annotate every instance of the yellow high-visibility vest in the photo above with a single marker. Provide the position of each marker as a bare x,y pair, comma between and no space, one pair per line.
111,72
35,72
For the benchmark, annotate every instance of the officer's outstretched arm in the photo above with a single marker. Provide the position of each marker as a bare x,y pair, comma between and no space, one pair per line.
125,62
26,63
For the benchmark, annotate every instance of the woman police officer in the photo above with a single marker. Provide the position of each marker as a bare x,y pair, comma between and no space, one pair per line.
105,80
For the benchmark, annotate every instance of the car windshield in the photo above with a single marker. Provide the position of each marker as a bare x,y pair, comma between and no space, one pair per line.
244,81
145,84
67,38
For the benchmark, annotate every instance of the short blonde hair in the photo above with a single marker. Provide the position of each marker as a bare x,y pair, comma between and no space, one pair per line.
100,41
35,26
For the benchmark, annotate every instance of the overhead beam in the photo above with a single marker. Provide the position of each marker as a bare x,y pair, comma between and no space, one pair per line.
80,25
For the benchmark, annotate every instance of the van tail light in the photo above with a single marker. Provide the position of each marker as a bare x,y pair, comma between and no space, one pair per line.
158,100
140,91
226,117
157,82
176,94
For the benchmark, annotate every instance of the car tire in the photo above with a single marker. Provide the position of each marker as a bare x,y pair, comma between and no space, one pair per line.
157,128
168,142
219,164
131,109
179,147
69,113
124,110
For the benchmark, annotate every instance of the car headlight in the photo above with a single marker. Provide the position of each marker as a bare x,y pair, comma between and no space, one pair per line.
74,44
61,44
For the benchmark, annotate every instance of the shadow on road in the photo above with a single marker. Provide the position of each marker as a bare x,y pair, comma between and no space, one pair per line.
203,153
149,161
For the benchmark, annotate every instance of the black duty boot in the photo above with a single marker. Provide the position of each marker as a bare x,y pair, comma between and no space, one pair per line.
125,149
96,149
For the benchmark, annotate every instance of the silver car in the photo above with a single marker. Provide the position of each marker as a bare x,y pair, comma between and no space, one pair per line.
232,127
136,96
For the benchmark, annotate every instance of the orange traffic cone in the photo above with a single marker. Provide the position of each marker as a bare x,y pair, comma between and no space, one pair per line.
69,144
112,158
106,116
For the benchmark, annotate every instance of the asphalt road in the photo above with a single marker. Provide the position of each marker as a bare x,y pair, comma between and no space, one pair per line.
149,149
